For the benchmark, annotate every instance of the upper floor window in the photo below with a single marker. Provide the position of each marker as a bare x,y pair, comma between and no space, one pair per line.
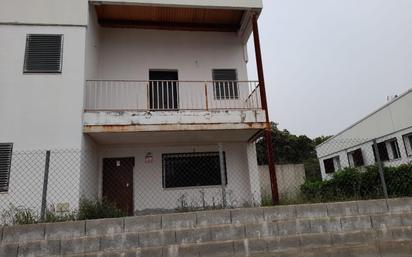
43,53
356,158
5,163
225,84
332,164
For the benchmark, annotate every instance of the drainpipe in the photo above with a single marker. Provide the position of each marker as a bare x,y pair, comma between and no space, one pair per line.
267,133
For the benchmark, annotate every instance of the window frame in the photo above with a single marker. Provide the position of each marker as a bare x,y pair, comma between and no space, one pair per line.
407,139
332,159
397,149
26,71
351,154
235,86
8,168
191,154
386,155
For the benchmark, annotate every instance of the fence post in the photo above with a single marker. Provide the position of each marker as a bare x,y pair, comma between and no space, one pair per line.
380,167
45,184
222,174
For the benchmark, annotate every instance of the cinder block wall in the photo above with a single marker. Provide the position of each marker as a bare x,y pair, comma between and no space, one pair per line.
373,227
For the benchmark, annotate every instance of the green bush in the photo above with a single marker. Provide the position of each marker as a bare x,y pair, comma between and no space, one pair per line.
52,216
18,216
98,209
360,183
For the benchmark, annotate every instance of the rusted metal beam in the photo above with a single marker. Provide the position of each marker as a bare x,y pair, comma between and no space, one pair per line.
268,134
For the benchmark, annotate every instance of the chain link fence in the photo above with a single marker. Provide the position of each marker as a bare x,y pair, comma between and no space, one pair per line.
73,184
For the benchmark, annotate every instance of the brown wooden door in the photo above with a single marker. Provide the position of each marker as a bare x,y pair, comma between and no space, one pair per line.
118,182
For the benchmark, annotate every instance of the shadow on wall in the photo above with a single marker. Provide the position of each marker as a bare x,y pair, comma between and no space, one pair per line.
290,178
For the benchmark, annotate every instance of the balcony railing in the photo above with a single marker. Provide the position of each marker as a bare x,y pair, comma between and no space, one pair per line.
128,95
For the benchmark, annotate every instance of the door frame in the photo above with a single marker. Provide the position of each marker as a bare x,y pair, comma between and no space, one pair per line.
177,89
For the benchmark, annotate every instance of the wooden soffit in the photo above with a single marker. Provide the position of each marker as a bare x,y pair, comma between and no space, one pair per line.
169,18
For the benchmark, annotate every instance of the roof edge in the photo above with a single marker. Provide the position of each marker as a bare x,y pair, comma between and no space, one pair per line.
367,116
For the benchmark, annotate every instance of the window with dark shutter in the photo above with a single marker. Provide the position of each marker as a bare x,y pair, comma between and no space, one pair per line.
225,84
192,170
43,53
5,163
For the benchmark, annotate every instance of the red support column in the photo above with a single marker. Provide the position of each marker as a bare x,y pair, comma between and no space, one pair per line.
267,134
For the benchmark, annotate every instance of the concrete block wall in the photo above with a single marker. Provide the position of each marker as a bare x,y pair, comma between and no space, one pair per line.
370,227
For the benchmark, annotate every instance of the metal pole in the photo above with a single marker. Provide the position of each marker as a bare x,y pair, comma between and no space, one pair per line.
45,184
380,166
268,132
222,174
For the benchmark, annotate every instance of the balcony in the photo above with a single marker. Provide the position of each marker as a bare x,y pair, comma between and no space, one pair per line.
151,106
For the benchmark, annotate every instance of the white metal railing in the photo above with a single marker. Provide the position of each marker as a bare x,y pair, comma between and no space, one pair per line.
123,95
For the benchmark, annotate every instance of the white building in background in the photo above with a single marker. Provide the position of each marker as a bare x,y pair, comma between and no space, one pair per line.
390,125
131,87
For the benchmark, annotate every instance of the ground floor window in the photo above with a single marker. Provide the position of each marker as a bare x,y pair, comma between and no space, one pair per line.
5,164
388,150
192,169
332,164
356,158
407,140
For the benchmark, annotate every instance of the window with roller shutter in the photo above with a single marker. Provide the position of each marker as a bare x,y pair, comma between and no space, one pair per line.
6,150
43,53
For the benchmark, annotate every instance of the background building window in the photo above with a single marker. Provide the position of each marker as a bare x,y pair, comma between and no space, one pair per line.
407,140
43,53
225,84
383,152
356,158
388,150
332,164
192,170
396,154
6,150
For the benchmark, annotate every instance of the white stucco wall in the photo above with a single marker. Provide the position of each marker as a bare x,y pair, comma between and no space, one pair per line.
128,54
60,12
148,190
41,111
92,45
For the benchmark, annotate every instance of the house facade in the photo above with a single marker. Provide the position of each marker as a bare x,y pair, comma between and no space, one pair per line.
152,97
390,126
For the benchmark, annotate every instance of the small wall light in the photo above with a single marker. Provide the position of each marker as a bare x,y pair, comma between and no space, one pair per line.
148,158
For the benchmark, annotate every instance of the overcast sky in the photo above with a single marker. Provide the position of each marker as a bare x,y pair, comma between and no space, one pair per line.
329,63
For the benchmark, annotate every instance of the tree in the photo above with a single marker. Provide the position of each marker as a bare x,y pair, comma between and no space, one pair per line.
292,149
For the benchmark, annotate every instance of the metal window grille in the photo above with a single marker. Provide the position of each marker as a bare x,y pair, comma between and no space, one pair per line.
192,170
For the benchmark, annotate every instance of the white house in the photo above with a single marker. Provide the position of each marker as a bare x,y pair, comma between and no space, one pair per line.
390,126
134,92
